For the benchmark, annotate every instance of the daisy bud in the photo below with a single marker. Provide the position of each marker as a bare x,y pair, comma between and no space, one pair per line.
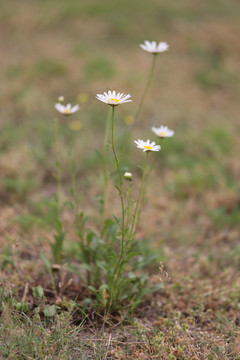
61,99
128,176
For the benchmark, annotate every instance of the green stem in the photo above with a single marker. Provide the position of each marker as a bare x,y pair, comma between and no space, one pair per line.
147,86
107,130
105,174
58,170
59,186
73,179
139,197
118,267
53,283
120,181
146,185
128,203
147,176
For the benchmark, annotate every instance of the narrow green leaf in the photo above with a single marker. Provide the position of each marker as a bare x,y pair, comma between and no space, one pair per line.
45,261
50,310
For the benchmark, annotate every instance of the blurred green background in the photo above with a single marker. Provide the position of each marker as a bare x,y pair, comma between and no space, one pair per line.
80,48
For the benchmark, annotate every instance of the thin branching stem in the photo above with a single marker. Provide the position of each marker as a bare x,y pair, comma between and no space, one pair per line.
120,265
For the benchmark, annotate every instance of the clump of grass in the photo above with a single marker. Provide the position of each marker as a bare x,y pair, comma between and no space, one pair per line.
49,67
99,68
221,139
225,218
23,337
14,72
18,188
194,182
214,74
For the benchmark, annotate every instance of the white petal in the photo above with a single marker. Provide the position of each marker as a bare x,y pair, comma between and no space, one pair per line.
75,108
148,44
162,46
126,97
144,47
59,107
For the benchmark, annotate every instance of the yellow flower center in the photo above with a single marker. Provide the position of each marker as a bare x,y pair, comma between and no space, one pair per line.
113,100
161,133
66,111
147,147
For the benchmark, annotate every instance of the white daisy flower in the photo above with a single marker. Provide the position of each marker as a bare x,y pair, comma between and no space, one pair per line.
111,98
153,47
66,110
163,131
147,146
